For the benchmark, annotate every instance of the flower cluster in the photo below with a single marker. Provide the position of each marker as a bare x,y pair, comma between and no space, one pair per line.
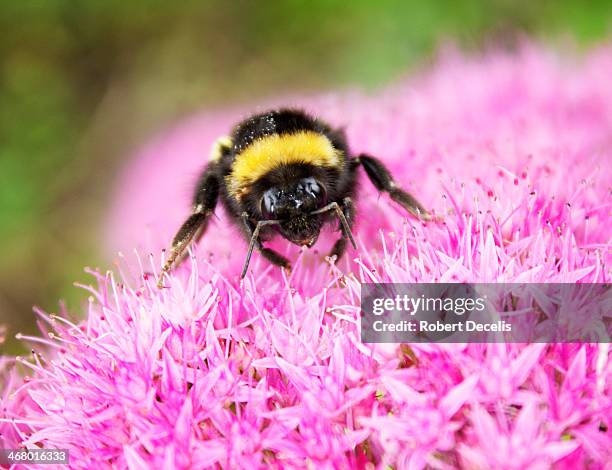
512,151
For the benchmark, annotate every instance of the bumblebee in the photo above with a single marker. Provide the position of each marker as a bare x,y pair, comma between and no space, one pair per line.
285,173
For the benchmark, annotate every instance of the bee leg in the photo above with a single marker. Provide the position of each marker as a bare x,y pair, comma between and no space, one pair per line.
205,201
275,258
348,211
383,181
253,235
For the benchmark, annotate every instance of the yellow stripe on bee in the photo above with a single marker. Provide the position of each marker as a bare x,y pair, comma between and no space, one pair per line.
269,152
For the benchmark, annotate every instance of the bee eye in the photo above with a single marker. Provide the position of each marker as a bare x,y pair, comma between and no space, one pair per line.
313,188
269,203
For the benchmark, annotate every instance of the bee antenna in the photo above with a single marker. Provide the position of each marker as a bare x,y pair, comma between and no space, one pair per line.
255,241
334,206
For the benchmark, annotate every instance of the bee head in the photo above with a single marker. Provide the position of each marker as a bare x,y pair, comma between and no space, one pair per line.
293,205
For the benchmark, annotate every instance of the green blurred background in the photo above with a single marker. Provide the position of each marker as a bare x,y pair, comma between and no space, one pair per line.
82,84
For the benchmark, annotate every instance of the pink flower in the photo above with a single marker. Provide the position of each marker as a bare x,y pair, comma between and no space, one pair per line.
520,445
513,150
